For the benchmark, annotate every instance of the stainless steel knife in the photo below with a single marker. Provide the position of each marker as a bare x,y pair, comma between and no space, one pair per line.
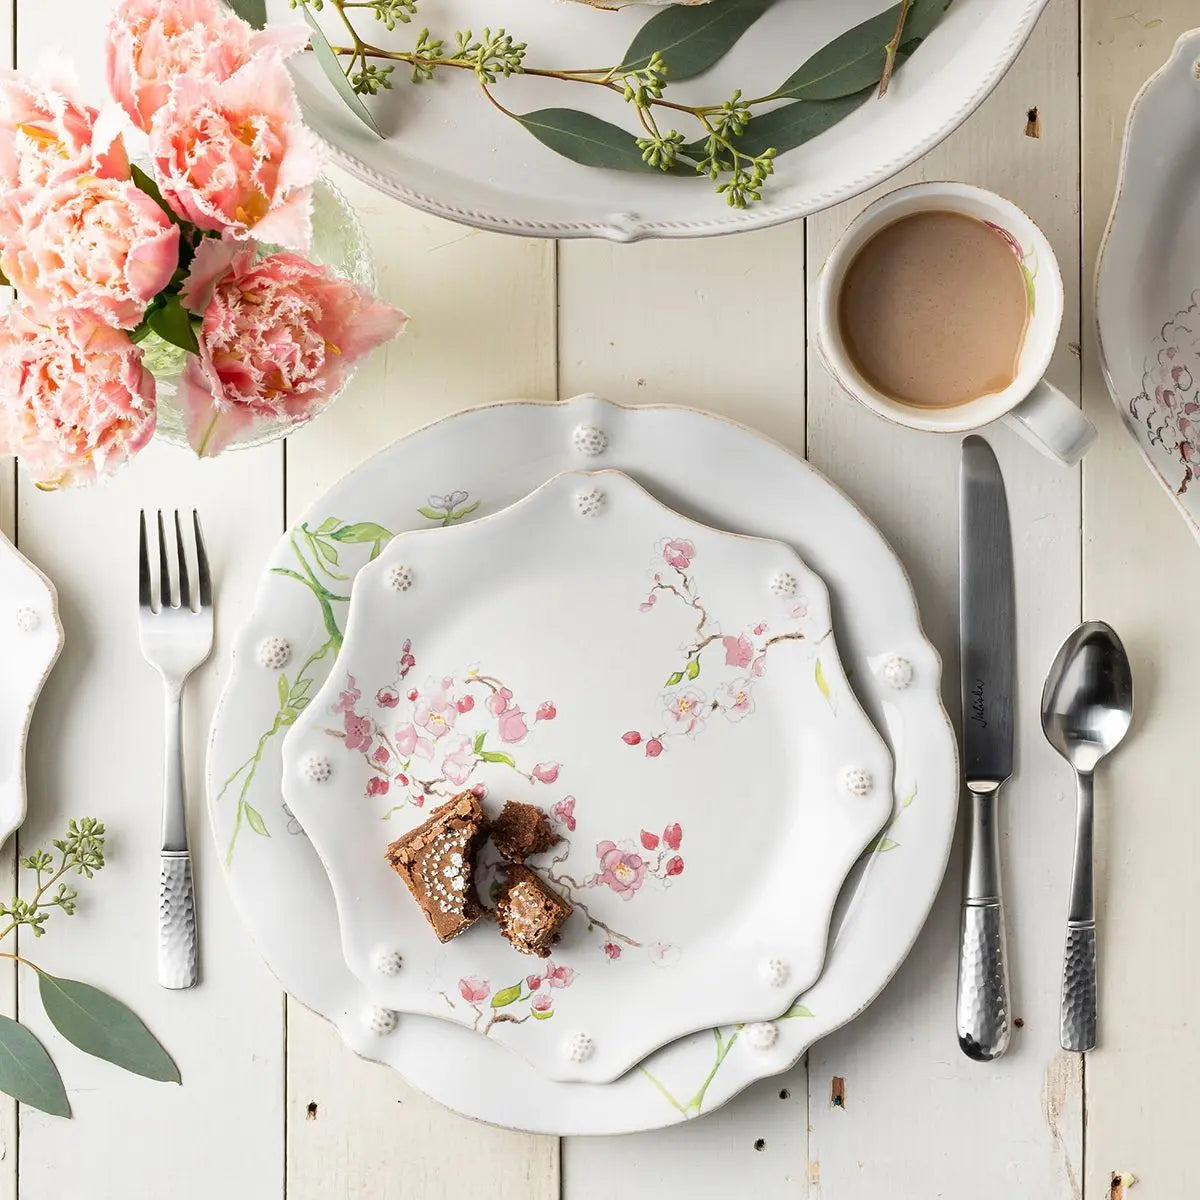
987,635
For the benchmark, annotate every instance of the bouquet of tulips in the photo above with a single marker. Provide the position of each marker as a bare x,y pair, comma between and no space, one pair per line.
205,248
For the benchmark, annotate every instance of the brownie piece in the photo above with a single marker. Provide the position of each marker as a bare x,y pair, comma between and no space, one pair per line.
522,830
437,861
529,913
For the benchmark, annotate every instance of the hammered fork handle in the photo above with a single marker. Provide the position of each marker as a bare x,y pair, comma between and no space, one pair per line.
176,922
176,902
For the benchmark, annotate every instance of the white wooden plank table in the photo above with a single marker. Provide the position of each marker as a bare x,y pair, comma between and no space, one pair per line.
274,1106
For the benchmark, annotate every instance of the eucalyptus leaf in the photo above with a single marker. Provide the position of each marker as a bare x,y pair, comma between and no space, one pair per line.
586,139
692,38
793,124
27,1073
253,11
102,1026
172,322
855,61
328,61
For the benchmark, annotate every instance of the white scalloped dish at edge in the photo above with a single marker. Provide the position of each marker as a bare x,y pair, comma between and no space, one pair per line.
670,692
31,638
1148,278
449,153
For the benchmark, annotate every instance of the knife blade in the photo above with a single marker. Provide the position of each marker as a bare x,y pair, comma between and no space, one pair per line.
987,633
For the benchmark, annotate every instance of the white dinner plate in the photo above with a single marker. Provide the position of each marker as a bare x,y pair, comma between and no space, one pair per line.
1148,278
590,650
478,462
31,638
450,153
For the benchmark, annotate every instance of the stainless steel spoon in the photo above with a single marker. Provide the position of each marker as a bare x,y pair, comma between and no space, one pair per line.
1087,705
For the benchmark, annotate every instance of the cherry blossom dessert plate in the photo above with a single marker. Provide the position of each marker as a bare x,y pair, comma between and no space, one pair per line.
670,692
464,467
31,638
1148,278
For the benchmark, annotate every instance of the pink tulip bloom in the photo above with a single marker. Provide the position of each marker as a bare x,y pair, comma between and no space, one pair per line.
233,155
621,870
46,136
474,991
277,339
75,401
99,248
151,43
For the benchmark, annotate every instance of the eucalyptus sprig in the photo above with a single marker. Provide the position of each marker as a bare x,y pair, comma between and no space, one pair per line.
736,141
88,1018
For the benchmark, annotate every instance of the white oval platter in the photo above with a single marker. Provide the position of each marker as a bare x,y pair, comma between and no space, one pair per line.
31,638
1148,278
466,466
450,153
674,688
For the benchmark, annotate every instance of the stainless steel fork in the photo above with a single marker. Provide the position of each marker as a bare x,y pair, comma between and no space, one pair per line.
175,639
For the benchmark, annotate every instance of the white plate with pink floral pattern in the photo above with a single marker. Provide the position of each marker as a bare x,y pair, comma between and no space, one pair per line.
670,693
1148,278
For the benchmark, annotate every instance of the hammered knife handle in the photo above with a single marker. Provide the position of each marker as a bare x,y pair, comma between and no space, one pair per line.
983,1009
176,922
1077,1011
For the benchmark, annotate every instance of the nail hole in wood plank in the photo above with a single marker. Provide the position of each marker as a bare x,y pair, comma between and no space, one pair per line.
1033,123
311,1112
760,1144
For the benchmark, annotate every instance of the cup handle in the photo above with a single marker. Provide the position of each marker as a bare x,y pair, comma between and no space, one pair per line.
1052,422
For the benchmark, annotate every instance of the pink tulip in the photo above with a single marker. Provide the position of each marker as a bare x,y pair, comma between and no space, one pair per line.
46,136
277,339
233,156
98,248
151,43
75,401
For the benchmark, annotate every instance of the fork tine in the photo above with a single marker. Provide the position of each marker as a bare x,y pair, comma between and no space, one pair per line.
145,599
185,590
165,599
202,575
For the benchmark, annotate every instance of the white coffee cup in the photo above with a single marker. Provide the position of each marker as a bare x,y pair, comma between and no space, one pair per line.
1036,409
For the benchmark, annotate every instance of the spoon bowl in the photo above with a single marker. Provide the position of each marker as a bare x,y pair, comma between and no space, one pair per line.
1087,703
1087,707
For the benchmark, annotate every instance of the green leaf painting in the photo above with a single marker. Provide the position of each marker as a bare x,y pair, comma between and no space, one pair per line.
507,996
